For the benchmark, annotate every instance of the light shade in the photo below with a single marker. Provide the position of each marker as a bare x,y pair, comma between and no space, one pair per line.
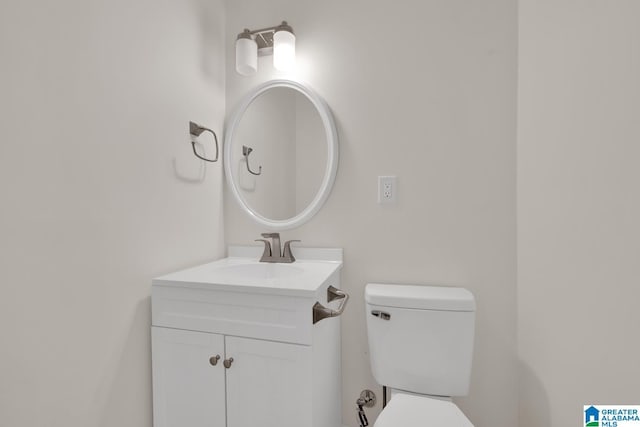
284,50
246,56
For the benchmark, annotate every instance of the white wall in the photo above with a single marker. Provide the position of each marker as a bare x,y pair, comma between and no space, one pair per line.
100,193
578,208
425,91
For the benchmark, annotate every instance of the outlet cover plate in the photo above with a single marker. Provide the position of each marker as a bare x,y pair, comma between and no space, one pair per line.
387,189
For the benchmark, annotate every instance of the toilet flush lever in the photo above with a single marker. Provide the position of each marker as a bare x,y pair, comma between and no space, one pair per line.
381,314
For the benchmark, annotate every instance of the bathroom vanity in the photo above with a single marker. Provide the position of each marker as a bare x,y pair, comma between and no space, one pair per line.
243,343
236,343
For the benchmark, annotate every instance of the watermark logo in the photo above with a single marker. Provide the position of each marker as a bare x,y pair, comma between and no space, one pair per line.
612,415
592,417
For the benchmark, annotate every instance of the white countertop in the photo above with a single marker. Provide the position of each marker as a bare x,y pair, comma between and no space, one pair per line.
242,272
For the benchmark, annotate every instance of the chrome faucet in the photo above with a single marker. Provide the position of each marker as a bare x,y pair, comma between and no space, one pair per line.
272,252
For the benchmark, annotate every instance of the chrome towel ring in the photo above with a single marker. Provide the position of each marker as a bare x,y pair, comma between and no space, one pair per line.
195,130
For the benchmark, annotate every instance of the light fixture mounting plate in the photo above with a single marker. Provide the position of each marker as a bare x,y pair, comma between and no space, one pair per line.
264,37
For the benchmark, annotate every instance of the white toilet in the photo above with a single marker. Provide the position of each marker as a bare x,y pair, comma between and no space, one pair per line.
421,346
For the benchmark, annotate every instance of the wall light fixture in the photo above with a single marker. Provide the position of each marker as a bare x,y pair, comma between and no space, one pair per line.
279,41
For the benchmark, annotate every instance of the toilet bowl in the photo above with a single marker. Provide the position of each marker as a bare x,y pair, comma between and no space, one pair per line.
421,346
405,410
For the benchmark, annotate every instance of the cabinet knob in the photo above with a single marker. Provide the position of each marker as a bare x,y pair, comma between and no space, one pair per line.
214,360
227,362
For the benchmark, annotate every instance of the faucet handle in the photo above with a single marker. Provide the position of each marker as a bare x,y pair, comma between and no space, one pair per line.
267,249
270,235
287,255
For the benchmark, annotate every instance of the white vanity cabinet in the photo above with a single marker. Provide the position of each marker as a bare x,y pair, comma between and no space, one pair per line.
187,389
271,385
259,387
235,345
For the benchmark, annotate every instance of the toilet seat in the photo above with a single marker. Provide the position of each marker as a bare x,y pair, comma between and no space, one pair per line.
410,411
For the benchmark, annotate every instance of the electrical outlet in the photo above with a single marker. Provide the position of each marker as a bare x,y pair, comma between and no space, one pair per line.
387,189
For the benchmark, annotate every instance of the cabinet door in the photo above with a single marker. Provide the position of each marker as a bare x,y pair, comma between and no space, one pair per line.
188,391
268,384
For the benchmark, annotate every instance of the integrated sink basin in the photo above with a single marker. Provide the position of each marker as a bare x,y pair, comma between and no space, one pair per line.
261,271
242,272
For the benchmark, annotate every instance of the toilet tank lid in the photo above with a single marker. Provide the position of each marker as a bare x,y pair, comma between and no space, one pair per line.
440,298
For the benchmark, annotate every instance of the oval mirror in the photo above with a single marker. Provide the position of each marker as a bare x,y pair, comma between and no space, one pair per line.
281,154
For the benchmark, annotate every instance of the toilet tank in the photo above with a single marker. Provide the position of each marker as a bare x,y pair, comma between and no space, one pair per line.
421,337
